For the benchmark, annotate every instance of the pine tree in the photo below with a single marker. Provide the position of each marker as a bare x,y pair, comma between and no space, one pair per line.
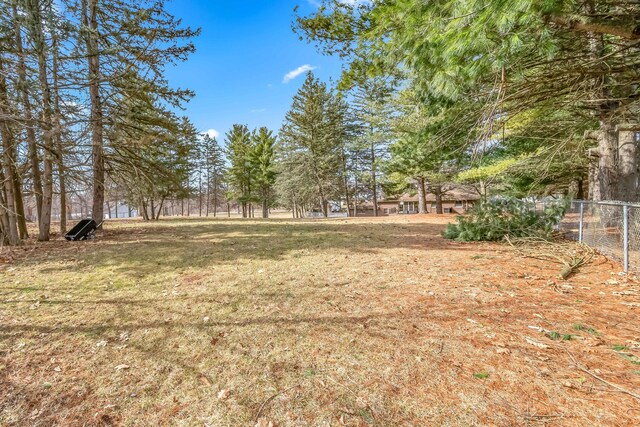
239,148
311,137
214,162
373,113
134,40
262,160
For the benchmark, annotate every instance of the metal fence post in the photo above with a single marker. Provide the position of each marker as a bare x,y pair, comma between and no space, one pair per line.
581,228
625,224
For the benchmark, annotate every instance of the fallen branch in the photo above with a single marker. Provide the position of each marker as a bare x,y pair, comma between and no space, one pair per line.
271,398
571,256
588,372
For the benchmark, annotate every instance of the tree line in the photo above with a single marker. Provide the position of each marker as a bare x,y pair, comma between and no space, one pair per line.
84,103
511,97
502,97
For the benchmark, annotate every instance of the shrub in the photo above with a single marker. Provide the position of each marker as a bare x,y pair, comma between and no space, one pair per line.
493,220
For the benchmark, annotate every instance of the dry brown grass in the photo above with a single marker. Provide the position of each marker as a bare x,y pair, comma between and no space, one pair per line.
308,323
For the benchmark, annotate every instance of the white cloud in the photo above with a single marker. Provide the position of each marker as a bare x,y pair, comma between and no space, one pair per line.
317,3
213,133
295,73
258,110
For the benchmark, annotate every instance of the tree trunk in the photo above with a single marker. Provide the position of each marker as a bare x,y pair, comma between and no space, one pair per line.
374,183
9,160
592,178
47,116
160,209
324,207
63,196
4,218
605,182
422,196
22,222
483,190
21,71
143,210
345,180
9,205
200,193
580,192
215,197
606,174
90,24
355,195
208,200
627,166
265,208
58,133
437,191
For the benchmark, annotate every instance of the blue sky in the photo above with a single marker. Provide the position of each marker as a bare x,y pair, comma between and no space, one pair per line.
243,55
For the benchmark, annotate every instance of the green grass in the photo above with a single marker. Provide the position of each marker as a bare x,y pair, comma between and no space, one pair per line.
620,347
554,335
635,360
579,327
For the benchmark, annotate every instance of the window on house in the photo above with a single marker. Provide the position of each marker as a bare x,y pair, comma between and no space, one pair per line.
433,205
458,203
637,136
386,210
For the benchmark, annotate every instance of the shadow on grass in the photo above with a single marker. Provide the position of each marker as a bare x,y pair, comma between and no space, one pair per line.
15,330
207,244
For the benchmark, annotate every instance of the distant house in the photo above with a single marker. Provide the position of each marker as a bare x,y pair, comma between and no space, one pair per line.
457,201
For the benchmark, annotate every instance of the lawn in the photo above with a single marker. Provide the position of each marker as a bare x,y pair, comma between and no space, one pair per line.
202,322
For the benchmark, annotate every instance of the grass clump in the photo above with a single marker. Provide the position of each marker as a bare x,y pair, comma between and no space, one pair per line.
481,375
631,358
620,347
554,335
579,327
493,220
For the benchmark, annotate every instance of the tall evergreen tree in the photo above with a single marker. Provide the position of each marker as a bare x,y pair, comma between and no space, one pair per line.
373,112
214,162
263,164
239,147
311,136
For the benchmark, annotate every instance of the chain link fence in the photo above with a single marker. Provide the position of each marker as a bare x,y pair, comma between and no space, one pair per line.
611,228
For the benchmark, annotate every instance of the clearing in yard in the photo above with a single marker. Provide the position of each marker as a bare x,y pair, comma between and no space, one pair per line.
202,322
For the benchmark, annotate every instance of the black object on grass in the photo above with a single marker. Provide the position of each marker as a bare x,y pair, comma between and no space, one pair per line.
84,230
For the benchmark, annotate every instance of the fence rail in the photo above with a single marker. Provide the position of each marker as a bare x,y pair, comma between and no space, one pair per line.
612,228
